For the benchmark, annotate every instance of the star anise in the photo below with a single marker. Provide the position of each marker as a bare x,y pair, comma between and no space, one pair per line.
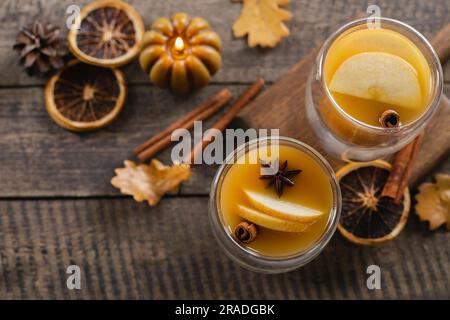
282,176
41,48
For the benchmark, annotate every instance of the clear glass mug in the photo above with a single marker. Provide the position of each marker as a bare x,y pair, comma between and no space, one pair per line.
249,258
349,139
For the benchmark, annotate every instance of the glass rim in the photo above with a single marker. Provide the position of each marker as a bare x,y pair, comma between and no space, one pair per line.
247,256
436,94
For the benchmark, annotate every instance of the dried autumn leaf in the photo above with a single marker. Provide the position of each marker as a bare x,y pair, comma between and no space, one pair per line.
263,21
443,184
433,202
149,182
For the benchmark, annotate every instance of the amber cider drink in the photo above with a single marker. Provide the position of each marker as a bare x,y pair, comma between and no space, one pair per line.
292,225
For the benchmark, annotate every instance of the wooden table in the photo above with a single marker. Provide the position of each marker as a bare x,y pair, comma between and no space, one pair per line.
58,208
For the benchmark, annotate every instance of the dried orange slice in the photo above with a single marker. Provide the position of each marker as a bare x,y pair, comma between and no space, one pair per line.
367,218
82,97
107,34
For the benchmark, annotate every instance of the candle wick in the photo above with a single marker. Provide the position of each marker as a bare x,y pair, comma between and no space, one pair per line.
179,44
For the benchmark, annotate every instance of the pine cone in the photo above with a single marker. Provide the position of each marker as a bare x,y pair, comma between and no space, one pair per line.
41,48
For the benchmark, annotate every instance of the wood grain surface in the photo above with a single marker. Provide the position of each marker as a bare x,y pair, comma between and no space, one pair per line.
312,23
58,208
34,148
124,251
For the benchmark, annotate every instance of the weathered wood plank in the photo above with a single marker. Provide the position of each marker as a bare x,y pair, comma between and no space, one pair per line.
38,158
129,251
313,22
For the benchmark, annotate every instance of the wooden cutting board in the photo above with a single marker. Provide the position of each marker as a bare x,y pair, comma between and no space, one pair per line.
282,106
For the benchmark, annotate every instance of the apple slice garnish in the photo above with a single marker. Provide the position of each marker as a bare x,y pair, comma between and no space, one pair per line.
270,222
378,76
282,209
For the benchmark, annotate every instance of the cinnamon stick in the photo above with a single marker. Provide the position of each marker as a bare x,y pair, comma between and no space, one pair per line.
204,111
401,170
404,160
409,167
225,120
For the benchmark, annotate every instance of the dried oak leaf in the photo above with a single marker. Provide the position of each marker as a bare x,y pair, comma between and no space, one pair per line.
433,202
149,182
263,21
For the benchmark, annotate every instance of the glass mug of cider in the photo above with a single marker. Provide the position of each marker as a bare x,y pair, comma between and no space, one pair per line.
278,220
373,89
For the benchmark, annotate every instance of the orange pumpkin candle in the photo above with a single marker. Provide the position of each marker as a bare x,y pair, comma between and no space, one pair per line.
181,54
